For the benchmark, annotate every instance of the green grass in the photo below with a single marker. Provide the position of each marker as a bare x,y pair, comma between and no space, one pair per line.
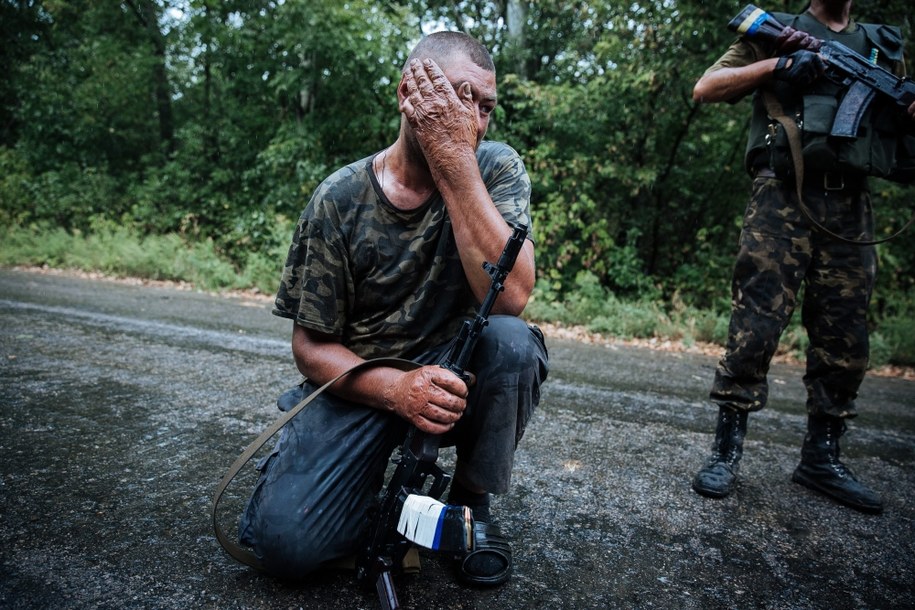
121,252
599,311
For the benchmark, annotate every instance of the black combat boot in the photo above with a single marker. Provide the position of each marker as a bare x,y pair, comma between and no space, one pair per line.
719,475
821,470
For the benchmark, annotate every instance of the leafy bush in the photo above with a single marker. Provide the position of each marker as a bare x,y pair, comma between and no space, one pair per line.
68,196
120,252
591,305
15,187
895,341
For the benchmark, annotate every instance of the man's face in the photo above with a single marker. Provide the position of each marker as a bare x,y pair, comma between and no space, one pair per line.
482,85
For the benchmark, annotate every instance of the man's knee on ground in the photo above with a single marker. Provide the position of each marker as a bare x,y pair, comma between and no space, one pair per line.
293,553
509,344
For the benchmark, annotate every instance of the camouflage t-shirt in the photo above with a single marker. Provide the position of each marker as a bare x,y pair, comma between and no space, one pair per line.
384,281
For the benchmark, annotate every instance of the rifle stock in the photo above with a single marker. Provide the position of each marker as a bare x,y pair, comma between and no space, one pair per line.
417,473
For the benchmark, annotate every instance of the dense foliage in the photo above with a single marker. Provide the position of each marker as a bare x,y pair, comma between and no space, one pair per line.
214,121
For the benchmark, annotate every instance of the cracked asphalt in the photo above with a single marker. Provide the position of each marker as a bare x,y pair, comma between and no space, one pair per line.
122,405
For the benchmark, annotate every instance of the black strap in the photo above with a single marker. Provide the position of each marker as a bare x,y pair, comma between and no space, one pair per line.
246,556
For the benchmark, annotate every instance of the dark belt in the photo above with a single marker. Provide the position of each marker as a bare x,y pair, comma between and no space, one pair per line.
828,181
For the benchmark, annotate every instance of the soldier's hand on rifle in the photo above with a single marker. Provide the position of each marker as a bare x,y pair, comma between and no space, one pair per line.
431,398
799,68
791,40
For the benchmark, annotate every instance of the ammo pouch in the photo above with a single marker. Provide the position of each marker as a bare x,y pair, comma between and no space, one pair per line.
872,153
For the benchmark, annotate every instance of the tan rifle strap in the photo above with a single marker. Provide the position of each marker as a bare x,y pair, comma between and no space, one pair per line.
238,552
775,111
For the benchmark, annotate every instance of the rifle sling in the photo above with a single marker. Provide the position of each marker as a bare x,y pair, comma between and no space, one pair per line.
238,552
775,110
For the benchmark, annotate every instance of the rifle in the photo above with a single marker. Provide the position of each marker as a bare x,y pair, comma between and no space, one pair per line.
863,77
409,510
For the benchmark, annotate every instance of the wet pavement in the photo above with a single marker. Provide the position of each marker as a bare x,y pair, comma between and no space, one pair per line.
121,407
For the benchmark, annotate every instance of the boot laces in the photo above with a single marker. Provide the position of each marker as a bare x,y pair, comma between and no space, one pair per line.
835,463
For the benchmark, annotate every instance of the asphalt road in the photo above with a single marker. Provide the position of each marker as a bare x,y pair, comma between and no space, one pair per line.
121,407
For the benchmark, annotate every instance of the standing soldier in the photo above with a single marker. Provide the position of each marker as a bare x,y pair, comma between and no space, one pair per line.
782,247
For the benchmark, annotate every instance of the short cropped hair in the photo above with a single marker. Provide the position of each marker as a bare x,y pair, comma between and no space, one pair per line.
442,46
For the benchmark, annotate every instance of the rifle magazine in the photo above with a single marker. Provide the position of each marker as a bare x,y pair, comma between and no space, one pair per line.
434,525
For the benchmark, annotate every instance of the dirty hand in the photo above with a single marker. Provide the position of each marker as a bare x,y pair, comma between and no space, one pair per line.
431,398
791,40
442,118
800,68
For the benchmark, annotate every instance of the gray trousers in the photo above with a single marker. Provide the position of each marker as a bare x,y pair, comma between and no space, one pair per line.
312,501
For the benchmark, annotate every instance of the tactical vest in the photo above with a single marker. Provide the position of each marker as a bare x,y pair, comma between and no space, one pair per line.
814,107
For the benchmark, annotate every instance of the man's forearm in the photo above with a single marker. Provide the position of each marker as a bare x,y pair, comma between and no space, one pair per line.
480,232
320,361
430,397
733,83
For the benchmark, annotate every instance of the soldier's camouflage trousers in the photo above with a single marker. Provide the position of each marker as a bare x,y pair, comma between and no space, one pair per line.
780,251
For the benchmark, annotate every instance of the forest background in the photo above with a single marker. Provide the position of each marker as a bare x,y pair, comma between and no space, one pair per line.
180,139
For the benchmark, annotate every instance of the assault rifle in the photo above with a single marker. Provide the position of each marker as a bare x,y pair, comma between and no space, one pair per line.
863,77
409,510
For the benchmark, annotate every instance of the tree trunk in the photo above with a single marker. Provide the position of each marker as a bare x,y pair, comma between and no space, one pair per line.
516,19
211,122
147,11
